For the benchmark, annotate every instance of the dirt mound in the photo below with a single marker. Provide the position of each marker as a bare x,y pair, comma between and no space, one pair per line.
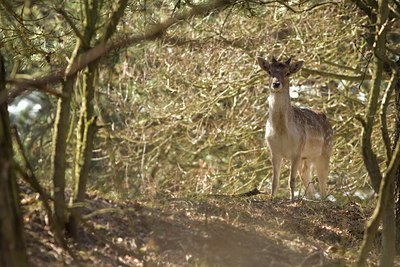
205,231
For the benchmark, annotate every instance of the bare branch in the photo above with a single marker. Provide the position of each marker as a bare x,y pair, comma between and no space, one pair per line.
102,49
383,115
112,24
291,8
22,85
64,14
357,78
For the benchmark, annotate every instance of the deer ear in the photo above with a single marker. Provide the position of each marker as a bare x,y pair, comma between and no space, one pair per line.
296,66
263,64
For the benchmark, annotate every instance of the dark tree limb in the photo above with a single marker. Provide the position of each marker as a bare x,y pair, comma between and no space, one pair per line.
64,14
383,116
101,49
12,239
384,208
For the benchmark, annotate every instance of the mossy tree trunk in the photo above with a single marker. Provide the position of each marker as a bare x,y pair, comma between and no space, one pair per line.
84,145
396,139
12,242
59,149
58,164
369,7
63,116
384,209
86,129
86,121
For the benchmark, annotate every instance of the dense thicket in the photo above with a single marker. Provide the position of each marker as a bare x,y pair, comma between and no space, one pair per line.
185,113
180,103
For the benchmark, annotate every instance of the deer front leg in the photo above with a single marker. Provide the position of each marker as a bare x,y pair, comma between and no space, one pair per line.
293,172
276,168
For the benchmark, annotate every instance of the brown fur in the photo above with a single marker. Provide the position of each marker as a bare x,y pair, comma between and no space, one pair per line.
303,136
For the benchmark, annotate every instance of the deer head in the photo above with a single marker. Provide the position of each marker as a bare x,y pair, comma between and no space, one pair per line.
279,72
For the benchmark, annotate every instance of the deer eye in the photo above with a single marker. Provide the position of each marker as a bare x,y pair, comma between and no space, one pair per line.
269,72
287,73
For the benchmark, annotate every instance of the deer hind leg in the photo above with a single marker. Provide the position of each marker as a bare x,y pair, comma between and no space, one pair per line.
293,172
276,168
322,168
305,174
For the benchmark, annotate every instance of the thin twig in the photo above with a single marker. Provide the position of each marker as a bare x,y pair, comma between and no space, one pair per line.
103,48
64,14
383,115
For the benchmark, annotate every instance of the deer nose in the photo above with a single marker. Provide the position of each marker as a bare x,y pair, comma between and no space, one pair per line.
276,85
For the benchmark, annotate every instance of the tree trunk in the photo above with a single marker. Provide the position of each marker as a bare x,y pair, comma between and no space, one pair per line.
396,139
368,156
370,11
84,145
388,217
60,134
87,121
12,242
61,127
385,206
388,232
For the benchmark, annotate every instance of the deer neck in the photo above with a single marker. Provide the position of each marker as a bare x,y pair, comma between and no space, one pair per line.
280,111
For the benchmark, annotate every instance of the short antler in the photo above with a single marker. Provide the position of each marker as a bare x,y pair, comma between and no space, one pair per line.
287,62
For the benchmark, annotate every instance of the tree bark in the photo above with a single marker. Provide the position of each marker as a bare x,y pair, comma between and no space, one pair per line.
388,217
396,139
370,158
385,207
58,164
388,232
62,123
86,129
12,241
82,152
84,146
370,11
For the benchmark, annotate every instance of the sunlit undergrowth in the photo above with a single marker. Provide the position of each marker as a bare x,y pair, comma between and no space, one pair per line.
179,152
186,114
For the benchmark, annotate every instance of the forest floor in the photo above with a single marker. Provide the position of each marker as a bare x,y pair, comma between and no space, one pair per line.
203,231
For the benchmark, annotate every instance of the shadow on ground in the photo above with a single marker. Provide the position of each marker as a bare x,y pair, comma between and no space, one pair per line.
207,231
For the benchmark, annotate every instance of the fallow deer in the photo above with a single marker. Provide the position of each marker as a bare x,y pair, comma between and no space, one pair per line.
303,136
